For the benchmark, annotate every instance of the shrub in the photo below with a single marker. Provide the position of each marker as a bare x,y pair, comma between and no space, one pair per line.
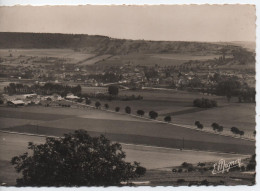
106,106
204,182
204,103
117,109
181,180
186,165
199,125
168,119
153,114
140,170
128,109
88,101
97,104
201,164
252,163
140,112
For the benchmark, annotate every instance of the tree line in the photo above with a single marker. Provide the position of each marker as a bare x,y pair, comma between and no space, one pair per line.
46,89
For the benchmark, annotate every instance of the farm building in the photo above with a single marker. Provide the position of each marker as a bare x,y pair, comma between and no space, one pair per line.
16,103
72,97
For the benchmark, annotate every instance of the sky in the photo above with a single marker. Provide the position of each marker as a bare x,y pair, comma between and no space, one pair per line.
165,22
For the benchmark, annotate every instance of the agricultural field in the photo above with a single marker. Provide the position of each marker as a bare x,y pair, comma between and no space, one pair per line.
188,56
67,54
118,127
179,105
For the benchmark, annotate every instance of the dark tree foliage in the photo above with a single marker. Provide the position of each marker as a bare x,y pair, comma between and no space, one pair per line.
204,103
228,87
220,128
113,90
215,126
199,125
168,119
140,112
153,114
252,163
88,101
46,89
243,56
106,106
97,104
77,159
235,130
128,109
117,109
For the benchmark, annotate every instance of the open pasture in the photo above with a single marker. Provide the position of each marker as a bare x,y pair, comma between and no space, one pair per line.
71,55
140,59
187,56
139,131
179,104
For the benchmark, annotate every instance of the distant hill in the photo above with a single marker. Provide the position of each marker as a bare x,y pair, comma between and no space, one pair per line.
105,45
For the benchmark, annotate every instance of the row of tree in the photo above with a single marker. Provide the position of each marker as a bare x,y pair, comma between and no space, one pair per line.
128,110
204,103
46,89
218,128
236,131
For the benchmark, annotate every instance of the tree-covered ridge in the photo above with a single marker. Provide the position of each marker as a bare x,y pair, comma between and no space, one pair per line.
105,45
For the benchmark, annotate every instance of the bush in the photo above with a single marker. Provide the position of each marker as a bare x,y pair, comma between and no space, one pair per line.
201,164
106,106
168,119
217,127
88,101
186,165
181,180
140,112
204,182
204,103
180,170
153,114
199,125
128,109
140,170
235,130
97,104
252,163
117,109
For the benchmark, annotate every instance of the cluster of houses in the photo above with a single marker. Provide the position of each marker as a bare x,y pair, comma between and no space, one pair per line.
34,99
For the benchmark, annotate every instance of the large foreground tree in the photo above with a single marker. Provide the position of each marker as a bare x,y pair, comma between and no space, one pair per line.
76,159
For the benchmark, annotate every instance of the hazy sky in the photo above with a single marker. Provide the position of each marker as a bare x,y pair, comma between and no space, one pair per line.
172,22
